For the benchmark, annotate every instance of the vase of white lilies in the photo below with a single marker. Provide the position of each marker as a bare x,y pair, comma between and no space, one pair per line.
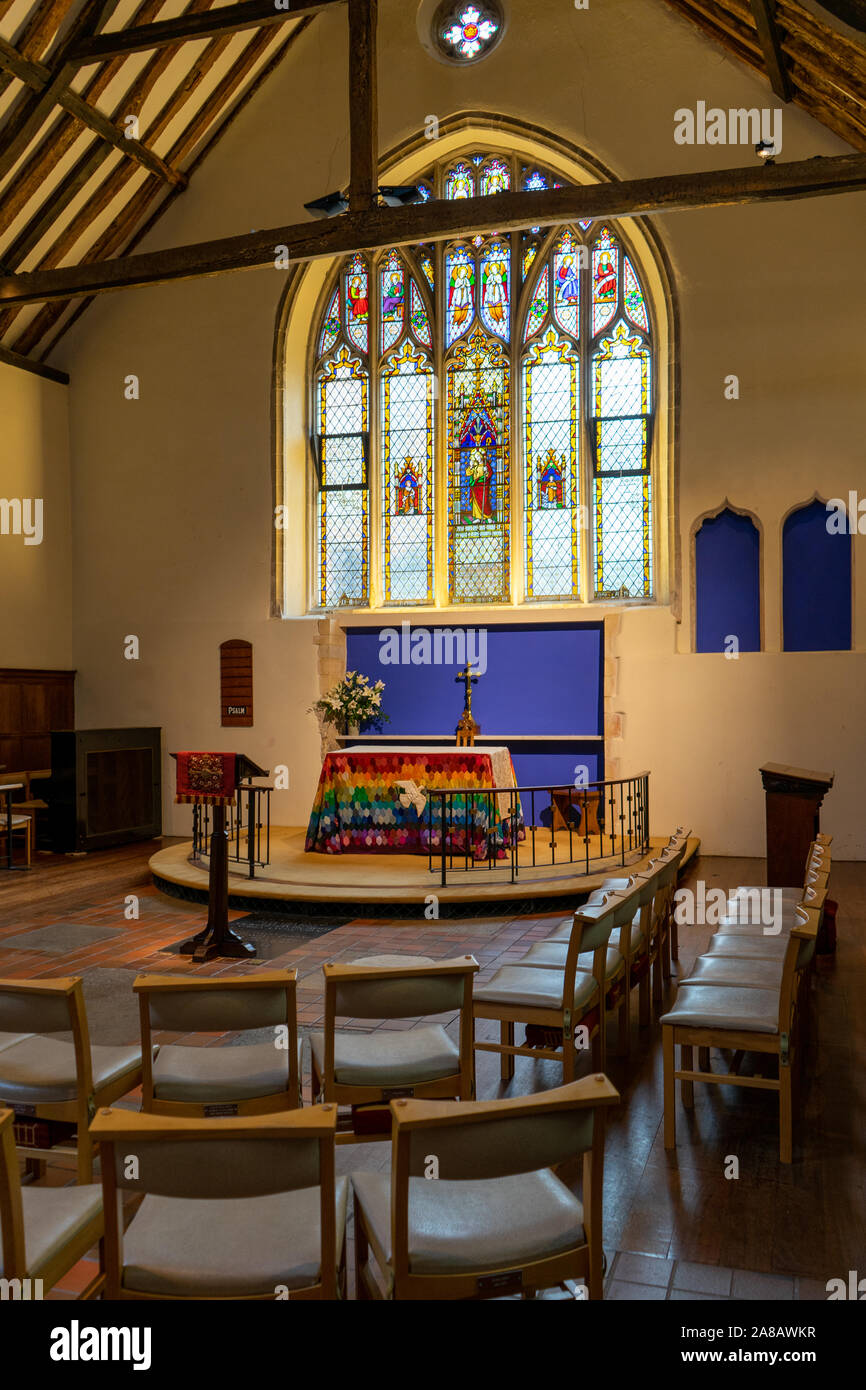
352,703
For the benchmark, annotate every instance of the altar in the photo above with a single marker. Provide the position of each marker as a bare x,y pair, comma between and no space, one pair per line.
372,800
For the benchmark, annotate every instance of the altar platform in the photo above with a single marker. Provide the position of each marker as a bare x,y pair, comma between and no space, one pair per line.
293,877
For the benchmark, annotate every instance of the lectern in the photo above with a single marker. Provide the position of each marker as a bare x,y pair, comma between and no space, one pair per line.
212,779
794,796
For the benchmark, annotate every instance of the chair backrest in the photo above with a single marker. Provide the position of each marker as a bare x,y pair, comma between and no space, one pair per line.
398,991
13,1264
227,1158
800,950
493,1139
38,1006
179,1004
50,1006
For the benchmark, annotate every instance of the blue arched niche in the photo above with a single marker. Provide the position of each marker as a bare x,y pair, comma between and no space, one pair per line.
728,583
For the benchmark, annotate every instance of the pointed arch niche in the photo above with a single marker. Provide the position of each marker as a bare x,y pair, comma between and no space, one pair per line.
411,492
727,563
817,606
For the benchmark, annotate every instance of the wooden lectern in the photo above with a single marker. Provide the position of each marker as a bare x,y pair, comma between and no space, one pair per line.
794,796
217,938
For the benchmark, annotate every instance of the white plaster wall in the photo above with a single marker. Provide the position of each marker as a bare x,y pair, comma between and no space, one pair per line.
172,493
35,580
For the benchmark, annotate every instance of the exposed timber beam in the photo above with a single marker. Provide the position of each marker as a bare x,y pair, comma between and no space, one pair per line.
764,12
26,364
251,14
38,76
435,220
363,108
27,119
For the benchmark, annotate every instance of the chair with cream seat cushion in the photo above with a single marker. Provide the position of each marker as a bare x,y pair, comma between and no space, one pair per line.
740,971
497,1219
556,1001
44,1231
741,1018
363,1069
239,1207
59,1080
626,954
249,1079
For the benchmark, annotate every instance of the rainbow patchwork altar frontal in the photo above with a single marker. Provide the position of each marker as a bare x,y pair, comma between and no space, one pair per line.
375,801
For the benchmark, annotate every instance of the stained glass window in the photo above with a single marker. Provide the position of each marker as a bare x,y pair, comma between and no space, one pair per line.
392,306
465,32
460,181
621,386
479,502
356,282
407,477
551,519
495,280
565,456
343,511
460,279
605,279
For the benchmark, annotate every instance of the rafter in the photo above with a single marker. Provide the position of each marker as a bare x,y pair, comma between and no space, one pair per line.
251,14
131,226
439,219
764,12
28,117
38,77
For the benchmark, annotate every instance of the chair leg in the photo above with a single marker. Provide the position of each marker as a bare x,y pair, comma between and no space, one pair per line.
362,1254
688,1089
786,1147
623,1021
643,997
595,1278
674,940
506,1059
85,1155
703,1058
670,1099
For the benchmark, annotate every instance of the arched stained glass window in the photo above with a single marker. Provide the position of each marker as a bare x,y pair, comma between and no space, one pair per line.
531,463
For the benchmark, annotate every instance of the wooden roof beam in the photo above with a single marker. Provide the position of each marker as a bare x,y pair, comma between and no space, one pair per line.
435,220
764,12
38,76
363,108
27,118
250,14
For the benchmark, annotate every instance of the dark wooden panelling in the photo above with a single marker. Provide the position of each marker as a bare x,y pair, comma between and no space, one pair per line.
32,703
236,684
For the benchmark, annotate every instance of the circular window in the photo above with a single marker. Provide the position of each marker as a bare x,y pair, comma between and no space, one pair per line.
466,32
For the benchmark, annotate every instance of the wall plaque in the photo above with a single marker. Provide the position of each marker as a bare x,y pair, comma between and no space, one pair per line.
236,684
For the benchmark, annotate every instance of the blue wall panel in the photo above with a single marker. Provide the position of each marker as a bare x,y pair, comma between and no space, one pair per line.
816,583
728,583
541,679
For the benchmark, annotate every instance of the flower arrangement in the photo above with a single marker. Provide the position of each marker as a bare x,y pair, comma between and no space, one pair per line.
353,702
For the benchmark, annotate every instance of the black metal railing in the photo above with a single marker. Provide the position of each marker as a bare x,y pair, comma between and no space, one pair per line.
520,828
244,822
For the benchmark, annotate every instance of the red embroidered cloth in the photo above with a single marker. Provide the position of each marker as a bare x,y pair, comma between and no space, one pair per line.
208,778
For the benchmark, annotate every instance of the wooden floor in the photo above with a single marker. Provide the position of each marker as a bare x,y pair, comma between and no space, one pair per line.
675,1227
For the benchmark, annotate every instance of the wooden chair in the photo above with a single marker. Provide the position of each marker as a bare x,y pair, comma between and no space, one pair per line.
245,1080
561,999
740,1018
497,1220
20,825
621,953
44,1230
365,1070
239,1208
48,1079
